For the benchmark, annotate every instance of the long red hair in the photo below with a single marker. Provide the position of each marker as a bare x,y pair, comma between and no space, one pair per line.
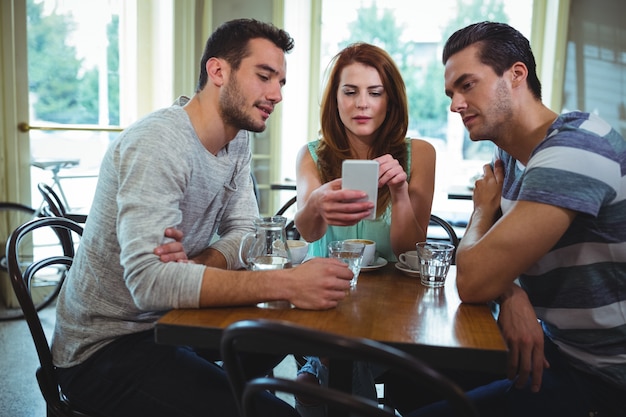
334,147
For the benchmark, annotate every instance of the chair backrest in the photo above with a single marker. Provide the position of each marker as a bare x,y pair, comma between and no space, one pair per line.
53,202
290,228
21,277
447,227
282,338
336,399
54,205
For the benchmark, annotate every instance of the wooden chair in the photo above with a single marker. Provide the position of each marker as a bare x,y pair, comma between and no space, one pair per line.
447,227
283,338
434,221
54,205
57,404
290,228
334,398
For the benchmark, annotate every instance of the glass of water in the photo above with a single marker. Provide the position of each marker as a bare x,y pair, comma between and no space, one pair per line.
434,261
349,252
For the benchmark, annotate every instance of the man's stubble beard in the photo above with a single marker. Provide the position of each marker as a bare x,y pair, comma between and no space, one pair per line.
233,108
499,112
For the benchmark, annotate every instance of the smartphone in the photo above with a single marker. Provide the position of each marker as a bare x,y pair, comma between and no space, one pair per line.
361,174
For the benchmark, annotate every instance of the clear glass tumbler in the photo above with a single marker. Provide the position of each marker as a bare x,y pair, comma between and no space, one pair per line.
434,262
350,253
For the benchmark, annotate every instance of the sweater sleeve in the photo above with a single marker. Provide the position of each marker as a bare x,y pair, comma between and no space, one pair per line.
153,193
241,208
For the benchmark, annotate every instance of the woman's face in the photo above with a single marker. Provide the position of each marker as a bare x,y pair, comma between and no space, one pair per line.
361,100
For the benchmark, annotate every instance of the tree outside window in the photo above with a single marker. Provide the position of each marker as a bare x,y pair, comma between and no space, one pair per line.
414,36
73,79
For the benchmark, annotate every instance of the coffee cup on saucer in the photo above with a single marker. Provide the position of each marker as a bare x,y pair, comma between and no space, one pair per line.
298,249
410,259
369,254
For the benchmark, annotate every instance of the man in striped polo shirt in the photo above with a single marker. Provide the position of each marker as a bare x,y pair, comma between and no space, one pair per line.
547,238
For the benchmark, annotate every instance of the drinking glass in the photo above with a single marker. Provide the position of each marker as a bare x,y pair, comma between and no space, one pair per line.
434,262
350,253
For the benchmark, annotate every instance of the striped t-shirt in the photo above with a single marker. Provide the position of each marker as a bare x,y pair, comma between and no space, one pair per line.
578,289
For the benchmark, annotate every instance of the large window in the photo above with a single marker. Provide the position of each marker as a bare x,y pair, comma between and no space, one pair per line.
95,67
122,57
595,66
414,36
73,81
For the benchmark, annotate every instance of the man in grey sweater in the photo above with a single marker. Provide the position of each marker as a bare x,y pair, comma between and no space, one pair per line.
185,167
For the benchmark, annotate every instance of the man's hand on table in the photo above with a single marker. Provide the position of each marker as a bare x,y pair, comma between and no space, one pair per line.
319,283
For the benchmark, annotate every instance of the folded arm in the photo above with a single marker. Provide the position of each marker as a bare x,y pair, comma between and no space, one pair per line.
317,284
495,250
174,252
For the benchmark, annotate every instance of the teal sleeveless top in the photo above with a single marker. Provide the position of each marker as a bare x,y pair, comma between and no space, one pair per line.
376,230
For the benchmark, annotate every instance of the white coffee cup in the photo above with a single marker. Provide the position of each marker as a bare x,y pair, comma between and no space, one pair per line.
369,254
298,249
410,259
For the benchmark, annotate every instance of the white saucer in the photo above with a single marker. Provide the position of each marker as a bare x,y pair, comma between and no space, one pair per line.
407,271
380,262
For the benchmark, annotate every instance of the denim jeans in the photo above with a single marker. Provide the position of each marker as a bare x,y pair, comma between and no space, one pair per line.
565,391
363,374
134,376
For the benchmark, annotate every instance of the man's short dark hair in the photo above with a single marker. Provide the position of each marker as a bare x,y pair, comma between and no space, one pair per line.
500,46
230,42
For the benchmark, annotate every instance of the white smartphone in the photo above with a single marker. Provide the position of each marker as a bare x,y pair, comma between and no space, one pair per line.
361,174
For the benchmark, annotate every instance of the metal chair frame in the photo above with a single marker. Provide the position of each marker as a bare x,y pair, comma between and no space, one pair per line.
447,227
55,205
56,403
337,399
283,338
290,228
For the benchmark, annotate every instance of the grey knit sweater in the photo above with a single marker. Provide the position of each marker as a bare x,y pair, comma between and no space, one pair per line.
155,175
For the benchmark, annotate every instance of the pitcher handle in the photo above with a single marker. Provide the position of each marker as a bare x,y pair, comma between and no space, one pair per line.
244,244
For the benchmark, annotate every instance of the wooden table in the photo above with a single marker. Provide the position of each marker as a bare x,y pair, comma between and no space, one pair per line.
386,306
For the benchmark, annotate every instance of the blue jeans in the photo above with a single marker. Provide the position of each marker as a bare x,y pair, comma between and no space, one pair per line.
363,375
565,391
134,376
